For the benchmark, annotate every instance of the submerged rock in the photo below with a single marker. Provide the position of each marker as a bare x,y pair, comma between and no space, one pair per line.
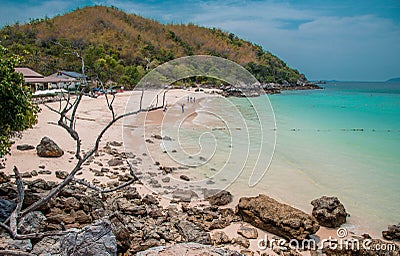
329,211
277,218
48,148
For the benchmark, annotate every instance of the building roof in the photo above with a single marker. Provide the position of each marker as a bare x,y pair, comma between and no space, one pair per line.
73,74
28,73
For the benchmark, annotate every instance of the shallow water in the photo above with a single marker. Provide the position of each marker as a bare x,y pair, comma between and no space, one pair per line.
342,141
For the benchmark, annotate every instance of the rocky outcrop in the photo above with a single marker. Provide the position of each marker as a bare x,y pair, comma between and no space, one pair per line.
329,211
393,232
6,208
277,218
96,239
48,148
187,249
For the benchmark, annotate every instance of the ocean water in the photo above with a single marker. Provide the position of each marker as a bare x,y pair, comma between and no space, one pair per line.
341,141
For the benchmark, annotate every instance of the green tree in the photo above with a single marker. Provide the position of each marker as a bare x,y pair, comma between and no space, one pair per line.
17,110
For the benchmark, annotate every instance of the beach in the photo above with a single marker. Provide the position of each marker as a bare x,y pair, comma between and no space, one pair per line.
187,139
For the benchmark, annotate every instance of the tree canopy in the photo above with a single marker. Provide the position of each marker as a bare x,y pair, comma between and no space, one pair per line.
17,111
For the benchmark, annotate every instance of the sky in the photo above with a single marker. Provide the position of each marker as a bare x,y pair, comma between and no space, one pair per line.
344,40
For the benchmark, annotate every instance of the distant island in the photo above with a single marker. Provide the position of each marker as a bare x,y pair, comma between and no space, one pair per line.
393,80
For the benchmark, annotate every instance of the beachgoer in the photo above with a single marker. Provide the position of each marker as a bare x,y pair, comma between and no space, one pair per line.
183,108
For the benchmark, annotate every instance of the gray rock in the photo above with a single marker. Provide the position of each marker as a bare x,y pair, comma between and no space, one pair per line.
280,219
94,240
329,211
33,222
6,208
24,147
192,233
48,148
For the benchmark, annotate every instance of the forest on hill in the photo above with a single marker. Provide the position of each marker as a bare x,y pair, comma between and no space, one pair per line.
122,47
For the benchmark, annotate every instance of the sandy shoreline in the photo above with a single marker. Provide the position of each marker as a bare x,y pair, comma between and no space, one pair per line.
137,135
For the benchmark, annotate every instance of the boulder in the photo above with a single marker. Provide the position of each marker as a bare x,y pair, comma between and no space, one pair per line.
393,232
6,208
192,233
48,148
94,240
24,147
280,219
149,199
189,249
218,197
329,211
184,177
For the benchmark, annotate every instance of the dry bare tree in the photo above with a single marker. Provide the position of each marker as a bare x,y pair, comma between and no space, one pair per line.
67,110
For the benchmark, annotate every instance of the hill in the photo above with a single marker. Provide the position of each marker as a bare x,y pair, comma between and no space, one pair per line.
394,80
122,47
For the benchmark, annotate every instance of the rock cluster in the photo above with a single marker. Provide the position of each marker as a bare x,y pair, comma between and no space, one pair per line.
393,232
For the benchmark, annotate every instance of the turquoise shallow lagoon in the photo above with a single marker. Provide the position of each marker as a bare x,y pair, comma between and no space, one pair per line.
342,141
345,140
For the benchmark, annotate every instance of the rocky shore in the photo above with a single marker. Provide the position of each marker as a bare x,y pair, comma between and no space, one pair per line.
126,222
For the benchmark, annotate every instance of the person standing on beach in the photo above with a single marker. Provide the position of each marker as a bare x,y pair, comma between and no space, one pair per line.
183,108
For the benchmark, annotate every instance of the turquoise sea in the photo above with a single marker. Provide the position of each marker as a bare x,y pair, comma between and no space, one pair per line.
345,140
341,141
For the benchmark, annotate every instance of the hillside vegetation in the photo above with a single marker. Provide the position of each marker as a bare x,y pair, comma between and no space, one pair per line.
122,47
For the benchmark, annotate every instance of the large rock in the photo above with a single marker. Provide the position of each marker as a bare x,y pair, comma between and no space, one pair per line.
187,249
329,211
94,240
277,218
393,232
48,148
192,233
6,208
